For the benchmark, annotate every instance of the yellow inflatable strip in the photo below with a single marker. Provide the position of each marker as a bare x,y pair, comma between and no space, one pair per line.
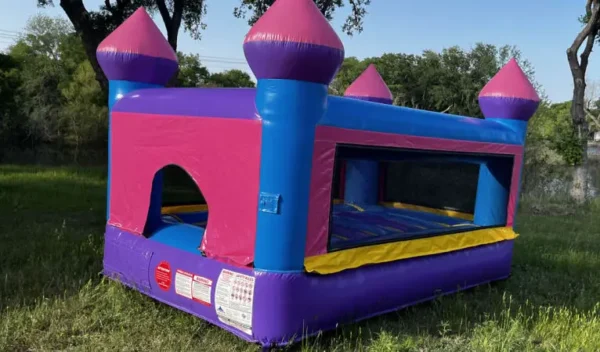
334,262
451,213
178,209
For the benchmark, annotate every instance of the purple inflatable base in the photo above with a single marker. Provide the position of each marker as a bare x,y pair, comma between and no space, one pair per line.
288,307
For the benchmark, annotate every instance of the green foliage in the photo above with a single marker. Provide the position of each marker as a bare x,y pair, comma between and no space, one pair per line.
552,128
231,79
50,95
449,81
84,115
12,129
353,23
112,13
48,53
191,72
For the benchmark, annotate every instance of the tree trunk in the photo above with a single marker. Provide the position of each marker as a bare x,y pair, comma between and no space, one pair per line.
578,67
579,188
80,18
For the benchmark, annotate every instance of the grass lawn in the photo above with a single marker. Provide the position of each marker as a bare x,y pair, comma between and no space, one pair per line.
52,296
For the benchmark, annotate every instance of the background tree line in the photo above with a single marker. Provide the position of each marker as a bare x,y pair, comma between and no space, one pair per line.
52,97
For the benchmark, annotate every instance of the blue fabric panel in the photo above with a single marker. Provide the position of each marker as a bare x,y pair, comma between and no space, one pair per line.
183,236
290,111
362,181
521,128
368,116
356,226
493,189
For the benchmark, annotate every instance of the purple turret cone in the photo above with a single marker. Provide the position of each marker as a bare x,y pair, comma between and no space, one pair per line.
137,51
509,95
293,40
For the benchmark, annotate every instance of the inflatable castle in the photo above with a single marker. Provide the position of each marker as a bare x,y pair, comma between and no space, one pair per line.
273,256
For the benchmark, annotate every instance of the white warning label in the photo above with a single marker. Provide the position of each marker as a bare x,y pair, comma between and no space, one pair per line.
234,296
201,290
194,287
183,283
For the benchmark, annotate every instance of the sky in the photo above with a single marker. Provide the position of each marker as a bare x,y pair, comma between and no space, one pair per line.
541,29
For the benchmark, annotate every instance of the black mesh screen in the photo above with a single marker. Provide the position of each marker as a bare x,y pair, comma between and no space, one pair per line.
417,177
179,188
440,185
337,175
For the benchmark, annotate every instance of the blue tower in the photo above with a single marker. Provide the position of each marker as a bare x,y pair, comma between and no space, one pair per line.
362,176
136,56
510,99
294,62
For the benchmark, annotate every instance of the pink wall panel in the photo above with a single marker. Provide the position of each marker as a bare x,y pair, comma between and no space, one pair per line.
221,155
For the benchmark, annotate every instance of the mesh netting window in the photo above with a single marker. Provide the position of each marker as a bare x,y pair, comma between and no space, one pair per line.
440,185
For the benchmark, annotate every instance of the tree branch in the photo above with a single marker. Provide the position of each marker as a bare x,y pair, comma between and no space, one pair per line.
164,13
589,30
595,120
584,57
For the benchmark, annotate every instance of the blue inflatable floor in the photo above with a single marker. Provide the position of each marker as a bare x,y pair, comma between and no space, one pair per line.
355,226
352,226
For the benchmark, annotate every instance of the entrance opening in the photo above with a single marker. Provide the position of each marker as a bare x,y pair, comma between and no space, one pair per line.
178,213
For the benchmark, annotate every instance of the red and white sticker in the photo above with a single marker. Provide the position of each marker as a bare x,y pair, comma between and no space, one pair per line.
183,283
201,290
162,275
194,287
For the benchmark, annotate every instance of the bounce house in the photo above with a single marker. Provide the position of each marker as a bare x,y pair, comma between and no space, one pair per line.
299,233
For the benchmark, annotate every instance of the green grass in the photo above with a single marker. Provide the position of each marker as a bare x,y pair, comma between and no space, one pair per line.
52,296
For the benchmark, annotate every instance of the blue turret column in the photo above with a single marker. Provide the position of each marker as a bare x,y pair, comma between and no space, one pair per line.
361,186
509,99
294,67
136,56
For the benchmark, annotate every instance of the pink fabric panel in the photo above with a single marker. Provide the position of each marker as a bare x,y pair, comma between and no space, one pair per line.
515,186
221,155
510,82
323,162
320,197
138,35
369,85
294,21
